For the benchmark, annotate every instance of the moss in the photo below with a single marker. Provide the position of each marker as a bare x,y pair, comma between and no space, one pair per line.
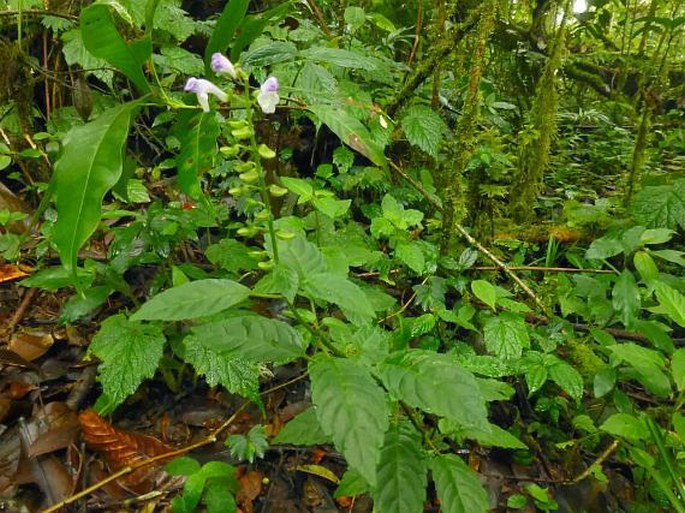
455,192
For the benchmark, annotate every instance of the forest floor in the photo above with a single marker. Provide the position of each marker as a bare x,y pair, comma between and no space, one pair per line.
48,381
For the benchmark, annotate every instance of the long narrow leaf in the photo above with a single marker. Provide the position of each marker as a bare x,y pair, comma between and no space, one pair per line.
91,163
102,39
226,26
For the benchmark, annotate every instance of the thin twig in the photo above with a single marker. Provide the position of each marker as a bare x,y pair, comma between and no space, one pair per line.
39,12
542,269
417,39
471,240
598,462
318,15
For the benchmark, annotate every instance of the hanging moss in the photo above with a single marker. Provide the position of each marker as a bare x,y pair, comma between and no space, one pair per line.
536,140
16,81
454,190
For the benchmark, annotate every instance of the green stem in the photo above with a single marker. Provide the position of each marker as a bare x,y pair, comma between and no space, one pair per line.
257,159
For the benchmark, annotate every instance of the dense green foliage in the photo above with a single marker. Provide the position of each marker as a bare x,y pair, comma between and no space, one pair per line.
347,229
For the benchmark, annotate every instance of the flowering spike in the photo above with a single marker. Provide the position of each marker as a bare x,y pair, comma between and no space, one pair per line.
221,65
268,95
203,88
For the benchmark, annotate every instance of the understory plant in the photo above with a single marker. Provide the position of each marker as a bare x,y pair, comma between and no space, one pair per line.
290,208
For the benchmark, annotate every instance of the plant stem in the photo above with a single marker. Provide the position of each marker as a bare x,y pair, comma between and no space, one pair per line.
257,159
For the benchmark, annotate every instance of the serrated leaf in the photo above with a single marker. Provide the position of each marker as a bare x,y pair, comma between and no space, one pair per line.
337,289
130,352
197,133
485,291
671,302
270,53
237,375
625,426
90,164
424,128
661,206
351,131
303,430
102,39
252,337
339,57
352,409
626,298
192,300
352,484
506,335
411,255
436,384
231,255
678,368
567,377
459,489
401,472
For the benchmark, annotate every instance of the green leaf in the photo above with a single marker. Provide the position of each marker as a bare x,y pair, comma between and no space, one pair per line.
352,409
435,383
424,128
192,300
231,255
237,375
626,298
354,17
281,280
339,57
645,266
337,289
351,131
225,28
656,236
302,256
197,133
183,466
411,255
506,335
218,497
270,53
625,426
298,186
102,39
303,430
604,247
678,368
567,377
90,164
648,364
79,305
459,489
671,302
130,352
401,472
534,368
492,436
661,206
251,337
485,291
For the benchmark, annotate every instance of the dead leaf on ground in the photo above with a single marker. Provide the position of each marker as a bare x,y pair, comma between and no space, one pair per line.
10,272
31,345
122,449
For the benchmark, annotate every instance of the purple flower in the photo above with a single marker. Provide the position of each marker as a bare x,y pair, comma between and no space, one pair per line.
203,88
222,66
268,95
